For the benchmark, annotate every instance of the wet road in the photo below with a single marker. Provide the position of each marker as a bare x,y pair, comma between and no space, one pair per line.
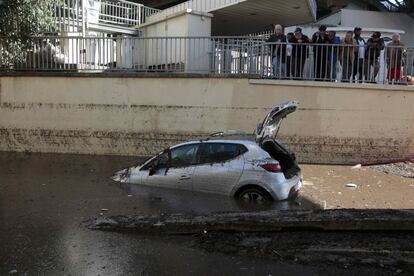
44,200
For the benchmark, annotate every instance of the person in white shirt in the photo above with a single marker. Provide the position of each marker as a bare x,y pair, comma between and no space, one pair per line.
289,51
360,64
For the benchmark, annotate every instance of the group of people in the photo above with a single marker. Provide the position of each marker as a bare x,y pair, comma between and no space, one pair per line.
358,58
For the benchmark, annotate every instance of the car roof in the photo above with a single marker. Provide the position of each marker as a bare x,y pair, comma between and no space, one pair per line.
225,141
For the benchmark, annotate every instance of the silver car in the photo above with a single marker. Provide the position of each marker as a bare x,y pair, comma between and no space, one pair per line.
250,167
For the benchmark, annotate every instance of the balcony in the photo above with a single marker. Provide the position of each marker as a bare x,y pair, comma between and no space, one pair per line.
115,16
241,56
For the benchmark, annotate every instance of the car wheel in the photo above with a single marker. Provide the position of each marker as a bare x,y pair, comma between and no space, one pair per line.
254,195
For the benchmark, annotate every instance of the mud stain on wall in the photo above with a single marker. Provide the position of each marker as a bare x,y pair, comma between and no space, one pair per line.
139,117
317,150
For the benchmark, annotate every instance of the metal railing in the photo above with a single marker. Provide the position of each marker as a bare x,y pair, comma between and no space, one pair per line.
73,15
339,63
218,55
120,12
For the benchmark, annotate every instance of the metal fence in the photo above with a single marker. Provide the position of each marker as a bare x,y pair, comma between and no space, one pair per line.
73,15
230,55
340,62
219,55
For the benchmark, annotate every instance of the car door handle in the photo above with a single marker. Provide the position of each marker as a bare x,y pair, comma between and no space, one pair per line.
184,177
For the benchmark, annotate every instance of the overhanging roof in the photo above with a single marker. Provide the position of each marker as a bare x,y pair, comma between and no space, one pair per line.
257,15
234,17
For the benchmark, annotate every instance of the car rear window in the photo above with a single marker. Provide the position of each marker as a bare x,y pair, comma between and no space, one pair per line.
219,152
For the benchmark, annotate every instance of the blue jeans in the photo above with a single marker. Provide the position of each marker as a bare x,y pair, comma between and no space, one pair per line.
278,67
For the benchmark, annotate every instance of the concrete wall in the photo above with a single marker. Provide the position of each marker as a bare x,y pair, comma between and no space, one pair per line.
336,123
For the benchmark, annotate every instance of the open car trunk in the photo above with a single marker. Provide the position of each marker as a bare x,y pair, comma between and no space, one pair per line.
286,159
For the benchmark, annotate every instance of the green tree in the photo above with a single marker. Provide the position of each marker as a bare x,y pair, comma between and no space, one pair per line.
19,21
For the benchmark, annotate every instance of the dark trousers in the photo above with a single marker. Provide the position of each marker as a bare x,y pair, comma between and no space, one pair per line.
289,65
320,69
298,64
360,68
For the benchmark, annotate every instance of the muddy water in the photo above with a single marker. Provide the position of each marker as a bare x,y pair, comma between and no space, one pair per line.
45,198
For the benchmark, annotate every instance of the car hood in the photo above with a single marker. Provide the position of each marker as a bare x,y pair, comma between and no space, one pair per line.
271,123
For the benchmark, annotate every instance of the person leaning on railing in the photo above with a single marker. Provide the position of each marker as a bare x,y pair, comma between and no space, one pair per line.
347,56
278,49
333,53
299,53
320,53
395,54
359,59
289,54
374,47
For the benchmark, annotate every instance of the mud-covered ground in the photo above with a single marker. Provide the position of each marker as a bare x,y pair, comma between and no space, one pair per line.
329,186
45,199
403,169
342,248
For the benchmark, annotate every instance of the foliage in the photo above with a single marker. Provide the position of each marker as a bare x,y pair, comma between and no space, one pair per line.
19,21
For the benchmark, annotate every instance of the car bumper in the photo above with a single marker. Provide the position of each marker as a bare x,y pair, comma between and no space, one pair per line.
287,188
294,191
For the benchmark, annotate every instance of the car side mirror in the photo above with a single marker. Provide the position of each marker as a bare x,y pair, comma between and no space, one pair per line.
152,170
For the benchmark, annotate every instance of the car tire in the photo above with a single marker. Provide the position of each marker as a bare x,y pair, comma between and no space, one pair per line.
254,195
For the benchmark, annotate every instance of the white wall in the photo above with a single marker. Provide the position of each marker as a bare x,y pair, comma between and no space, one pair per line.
381,20
370,21
176,50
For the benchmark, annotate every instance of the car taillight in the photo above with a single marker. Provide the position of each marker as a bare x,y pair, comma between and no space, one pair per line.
274,168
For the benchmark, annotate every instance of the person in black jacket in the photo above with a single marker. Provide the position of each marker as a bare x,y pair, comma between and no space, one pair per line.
278,49
299,53
374,47
320,53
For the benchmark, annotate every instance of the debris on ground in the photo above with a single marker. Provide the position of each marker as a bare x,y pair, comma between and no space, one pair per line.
351,185
106,223
347,248
307,183
403,169
274,220
346,236
156,198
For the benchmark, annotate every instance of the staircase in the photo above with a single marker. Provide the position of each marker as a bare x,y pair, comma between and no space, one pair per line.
107,16
197,5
